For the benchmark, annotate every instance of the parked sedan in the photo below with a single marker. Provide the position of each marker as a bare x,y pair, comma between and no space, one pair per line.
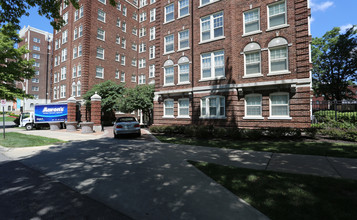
126,125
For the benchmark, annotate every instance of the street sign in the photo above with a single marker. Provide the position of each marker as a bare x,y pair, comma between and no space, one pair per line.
3,102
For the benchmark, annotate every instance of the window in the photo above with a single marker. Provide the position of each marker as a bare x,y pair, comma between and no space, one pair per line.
35,88
74,88
152,52
100,53
183,107
134,31
142,17
80,31
117,40
79,70
142,32
79,87
117,57
169,43
81,12
122,77
36,56
36,40
169,72
279,105
56,61
142,63
133,78
123,27
152,33
183,70
119,6
152,14
75,52
135,16
118,22
37,48
169,108
212,65
35,80
64,36
152,71
183,40
253,106
142,47
65,18
169,13
57,44
74,72
152,1
251,21
99,72
277,14
122,60
123,43
64,54
124,10
213,107
183,8
101,15
36,64
63,73
54,93
75,33
278,55
252,59
79,50
55,78
37,72
212,27
143,3
142,79
102,1
101,34
63,91
117,74
133,62
206,2
134,46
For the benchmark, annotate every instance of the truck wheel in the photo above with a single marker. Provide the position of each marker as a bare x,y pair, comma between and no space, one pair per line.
29,127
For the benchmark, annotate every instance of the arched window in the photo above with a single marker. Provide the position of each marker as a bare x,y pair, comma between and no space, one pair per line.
278,56
183,70
169,72
252,60
79,87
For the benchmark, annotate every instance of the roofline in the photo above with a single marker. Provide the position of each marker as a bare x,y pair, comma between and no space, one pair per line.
23,31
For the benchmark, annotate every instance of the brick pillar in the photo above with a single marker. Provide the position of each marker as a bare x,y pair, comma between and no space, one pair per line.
96,111
83,112
71,109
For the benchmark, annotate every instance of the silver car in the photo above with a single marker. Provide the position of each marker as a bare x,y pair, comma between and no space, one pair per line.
126,125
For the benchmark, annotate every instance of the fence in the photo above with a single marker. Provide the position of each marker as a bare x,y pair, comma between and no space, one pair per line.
334,110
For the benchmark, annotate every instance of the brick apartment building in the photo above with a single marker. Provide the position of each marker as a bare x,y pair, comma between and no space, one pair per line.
241,63
40,44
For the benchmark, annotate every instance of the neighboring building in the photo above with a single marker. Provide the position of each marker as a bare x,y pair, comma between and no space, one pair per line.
40,44
221,62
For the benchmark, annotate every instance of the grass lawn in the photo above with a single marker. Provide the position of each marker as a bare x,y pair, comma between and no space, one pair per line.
7,118
13,139
292,147
288,196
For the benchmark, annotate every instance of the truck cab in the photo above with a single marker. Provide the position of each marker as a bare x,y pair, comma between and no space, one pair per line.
27,120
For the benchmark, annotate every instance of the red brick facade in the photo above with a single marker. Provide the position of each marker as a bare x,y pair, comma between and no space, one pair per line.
224,96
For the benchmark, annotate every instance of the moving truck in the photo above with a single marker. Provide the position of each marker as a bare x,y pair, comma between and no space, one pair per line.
43,115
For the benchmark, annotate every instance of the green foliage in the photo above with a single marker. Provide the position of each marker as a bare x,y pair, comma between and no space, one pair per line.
12,65
110,92
334,58
340,134
141,97
329,116
311,132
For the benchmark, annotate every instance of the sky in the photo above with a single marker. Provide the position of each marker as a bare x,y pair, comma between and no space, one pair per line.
326,14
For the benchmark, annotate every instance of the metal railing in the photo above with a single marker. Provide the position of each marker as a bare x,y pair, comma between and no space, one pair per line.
323,111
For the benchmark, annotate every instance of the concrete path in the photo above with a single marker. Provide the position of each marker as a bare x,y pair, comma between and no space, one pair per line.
150,180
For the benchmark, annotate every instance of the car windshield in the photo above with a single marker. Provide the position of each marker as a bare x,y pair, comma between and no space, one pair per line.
126,119
25,115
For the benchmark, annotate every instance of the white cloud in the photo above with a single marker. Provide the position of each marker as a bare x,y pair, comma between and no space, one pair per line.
322,6
312,19
344,28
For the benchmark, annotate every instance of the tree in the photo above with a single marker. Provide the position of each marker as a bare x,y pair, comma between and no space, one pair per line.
12,10
141,97
110,93
13,67
334,58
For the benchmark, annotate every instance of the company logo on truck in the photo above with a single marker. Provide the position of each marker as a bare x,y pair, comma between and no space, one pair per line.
48,113
53,110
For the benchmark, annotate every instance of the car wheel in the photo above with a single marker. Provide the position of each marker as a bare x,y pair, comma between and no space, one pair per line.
29,127
115,135
138,135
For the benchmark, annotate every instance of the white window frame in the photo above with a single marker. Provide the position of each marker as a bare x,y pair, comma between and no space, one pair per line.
179,73
101,15
74,89
208,3
165,107
180,7
259,116
213,66
152,14
165,75
152,71
211,27
166,13
142,79
100,33
180,108
100,52
271,106
79,88
185,39
246,64
268,17
245,23
166,44
99,72
122,77
286,60
152,33
122,60
204,104
152,52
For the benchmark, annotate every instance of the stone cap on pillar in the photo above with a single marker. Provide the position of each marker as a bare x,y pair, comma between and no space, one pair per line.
71,100
96,97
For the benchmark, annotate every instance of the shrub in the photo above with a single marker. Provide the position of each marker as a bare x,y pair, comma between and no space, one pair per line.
190,131
220,132
157,129
340,134
311,132
203,132
253,133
